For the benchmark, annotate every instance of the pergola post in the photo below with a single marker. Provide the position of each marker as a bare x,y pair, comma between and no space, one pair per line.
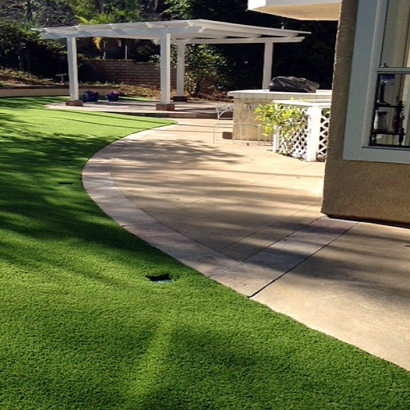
165,72
180,70
267,65
72,68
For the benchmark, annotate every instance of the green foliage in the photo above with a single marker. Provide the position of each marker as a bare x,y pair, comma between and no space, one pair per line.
108,11
282,118
282,121
36,13
205,68
179,8
221,10
25,51
203,64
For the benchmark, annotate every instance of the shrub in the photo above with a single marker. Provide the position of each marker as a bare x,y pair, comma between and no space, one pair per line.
25,51
282,121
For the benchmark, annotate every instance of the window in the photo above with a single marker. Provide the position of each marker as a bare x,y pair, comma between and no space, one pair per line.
378,118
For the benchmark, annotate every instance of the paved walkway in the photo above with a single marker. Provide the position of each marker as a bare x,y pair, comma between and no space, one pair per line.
191,109
251,220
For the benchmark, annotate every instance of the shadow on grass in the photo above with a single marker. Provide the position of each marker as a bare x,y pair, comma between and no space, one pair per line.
42,199
20,103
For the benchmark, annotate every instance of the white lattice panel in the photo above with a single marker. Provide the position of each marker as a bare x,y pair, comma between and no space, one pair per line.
296,144
324,134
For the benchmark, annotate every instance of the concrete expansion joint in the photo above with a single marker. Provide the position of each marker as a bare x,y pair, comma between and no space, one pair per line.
270,283
304,247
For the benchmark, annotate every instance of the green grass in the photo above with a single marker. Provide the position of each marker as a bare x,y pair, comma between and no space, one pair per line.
82,328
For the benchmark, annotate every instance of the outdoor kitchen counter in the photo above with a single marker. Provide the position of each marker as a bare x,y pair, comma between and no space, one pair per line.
245,101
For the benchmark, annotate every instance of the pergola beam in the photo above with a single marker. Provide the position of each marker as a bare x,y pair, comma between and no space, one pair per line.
248,40
177,28
146,34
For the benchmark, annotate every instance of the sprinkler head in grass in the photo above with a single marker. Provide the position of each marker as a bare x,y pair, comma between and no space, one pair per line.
165,278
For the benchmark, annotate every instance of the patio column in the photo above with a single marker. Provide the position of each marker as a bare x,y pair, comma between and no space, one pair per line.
180,69
72,67
267,65
165,68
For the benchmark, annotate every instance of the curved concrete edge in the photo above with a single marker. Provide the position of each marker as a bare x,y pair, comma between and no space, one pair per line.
99,185
249,277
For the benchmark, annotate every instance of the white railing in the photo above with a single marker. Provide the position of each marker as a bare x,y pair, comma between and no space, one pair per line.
310,141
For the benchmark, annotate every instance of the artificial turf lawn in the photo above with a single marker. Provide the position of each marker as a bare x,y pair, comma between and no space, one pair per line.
82,328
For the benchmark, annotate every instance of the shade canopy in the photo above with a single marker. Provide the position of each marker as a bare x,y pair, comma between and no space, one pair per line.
177,32
299,9
187,31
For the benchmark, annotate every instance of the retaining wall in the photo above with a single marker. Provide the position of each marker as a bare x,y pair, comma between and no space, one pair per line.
44,91
123,71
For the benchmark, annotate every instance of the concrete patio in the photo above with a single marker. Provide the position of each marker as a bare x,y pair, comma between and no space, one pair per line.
191,109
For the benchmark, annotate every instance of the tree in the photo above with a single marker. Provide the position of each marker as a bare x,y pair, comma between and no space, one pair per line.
205,65
24,50
112,11
313,58
36,13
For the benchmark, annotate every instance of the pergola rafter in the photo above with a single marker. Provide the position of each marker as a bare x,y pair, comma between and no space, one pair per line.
176,32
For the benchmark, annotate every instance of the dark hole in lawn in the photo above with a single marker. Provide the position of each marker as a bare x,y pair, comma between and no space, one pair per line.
165,278
65,183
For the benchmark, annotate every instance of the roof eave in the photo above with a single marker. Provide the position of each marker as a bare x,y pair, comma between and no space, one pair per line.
315,10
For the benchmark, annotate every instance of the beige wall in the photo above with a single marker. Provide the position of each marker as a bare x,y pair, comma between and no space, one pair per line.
359,189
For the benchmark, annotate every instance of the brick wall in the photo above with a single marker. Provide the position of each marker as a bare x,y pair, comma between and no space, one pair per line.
123,71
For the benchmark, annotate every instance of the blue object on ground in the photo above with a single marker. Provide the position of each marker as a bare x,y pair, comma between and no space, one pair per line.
112,96
89,96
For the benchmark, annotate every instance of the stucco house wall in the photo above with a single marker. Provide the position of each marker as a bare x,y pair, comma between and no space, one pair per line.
358,189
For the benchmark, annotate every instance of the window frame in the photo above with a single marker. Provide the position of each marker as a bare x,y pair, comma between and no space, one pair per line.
367,51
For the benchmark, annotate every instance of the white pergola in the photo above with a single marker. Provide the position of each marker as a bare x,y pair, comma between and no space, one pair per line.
175,32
